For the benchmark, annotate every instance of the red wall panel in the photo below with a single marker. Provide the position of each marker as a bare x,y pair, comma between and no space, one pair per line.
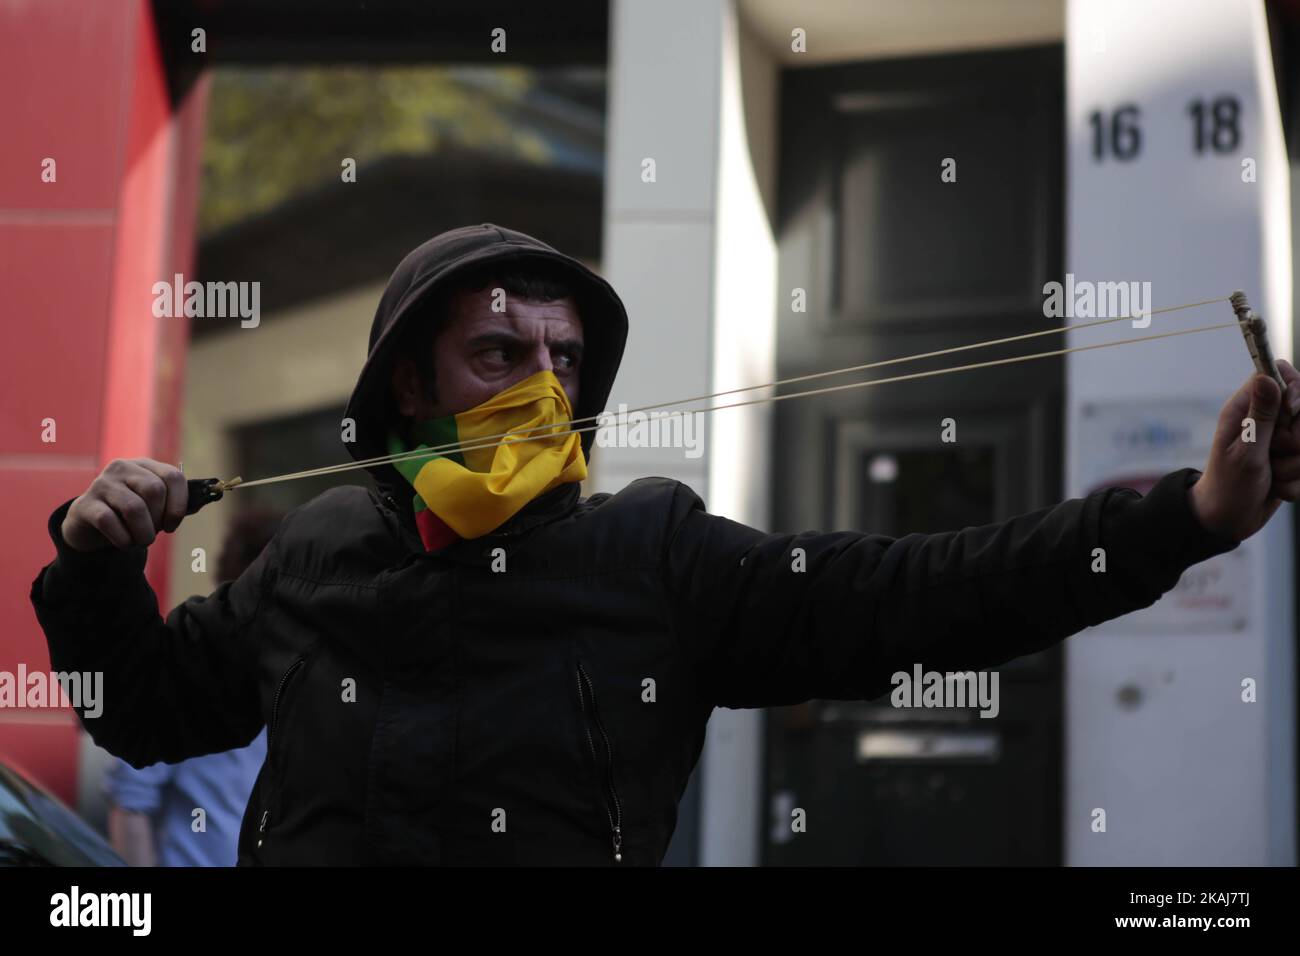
65,73
78,260
56,279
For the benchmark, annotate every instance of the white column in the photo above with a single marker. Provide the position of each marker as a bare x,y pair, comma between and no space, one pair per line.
693,257
1158,735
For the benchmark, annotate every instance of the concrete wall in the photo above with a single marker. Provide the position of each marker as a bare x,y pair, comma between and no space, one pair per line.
302,360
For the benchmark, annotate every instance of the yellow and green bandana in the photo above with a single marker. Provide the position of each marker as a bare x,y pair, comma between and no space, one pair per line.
471,492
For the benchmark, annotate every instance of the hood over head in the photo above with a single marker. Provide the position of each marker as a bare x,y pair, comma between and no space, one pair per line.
433,266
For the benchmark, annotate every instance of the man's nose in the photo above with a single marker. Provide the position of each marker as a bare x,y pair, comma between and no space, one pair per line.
540,359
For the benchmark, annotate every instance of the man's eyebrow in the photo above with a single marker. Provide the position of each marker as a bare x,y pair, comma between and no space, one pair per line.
573,346
510,340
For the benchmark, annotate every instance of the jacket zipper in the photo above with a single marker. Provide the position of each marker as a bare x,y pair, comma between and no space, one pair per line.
613,809
270,734
275,701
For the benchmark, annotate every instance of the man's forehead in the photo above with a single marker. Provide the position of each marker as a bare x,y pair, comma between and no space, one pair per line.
472,313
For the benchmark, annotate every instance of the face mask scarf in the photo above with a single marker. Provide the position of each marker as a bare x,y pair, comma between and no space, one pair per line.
469,493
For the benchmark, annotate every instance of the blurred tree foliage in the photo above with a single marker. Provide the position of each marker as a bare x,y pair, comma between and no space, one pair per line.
278,131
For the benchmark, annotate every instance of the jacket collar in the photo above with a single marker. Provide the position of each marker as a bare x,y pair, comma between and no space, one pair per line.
543,509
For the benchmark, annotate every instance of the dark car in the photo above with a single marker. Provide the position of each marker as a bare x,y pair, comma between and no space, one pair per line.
37,830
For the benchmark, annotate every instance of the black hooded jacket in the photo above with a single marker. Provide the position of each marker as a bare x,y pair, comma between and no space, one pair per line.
432,708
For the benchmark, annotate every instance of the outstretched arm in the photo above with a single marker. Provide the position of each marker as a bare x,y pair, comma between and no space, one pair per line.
771,619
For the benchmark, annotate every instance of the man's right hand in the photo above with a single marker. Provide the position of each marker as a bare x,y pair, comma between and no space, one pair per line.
127,505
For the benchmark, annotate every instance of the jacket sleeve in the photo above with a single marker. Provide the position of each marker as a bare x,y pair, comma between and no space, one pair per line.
766,624
171,689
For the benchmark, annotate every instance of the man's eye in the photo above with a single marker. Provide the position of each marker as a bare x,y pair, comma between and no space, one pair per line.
566,360
496,355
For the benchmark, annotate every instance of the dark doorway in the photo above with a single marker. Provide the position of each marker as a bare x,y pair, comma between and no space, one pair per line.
896,261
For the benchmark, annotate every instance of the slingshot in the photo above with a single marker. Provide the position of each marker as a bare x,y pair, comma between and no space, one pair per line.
203,491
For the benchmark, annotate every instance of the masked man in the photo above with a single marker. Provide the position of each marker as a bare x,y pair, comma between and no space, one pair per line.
454,670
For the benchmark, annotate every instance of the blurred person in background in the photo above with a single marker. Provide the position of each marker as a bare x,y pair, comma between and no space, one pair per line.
151,818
